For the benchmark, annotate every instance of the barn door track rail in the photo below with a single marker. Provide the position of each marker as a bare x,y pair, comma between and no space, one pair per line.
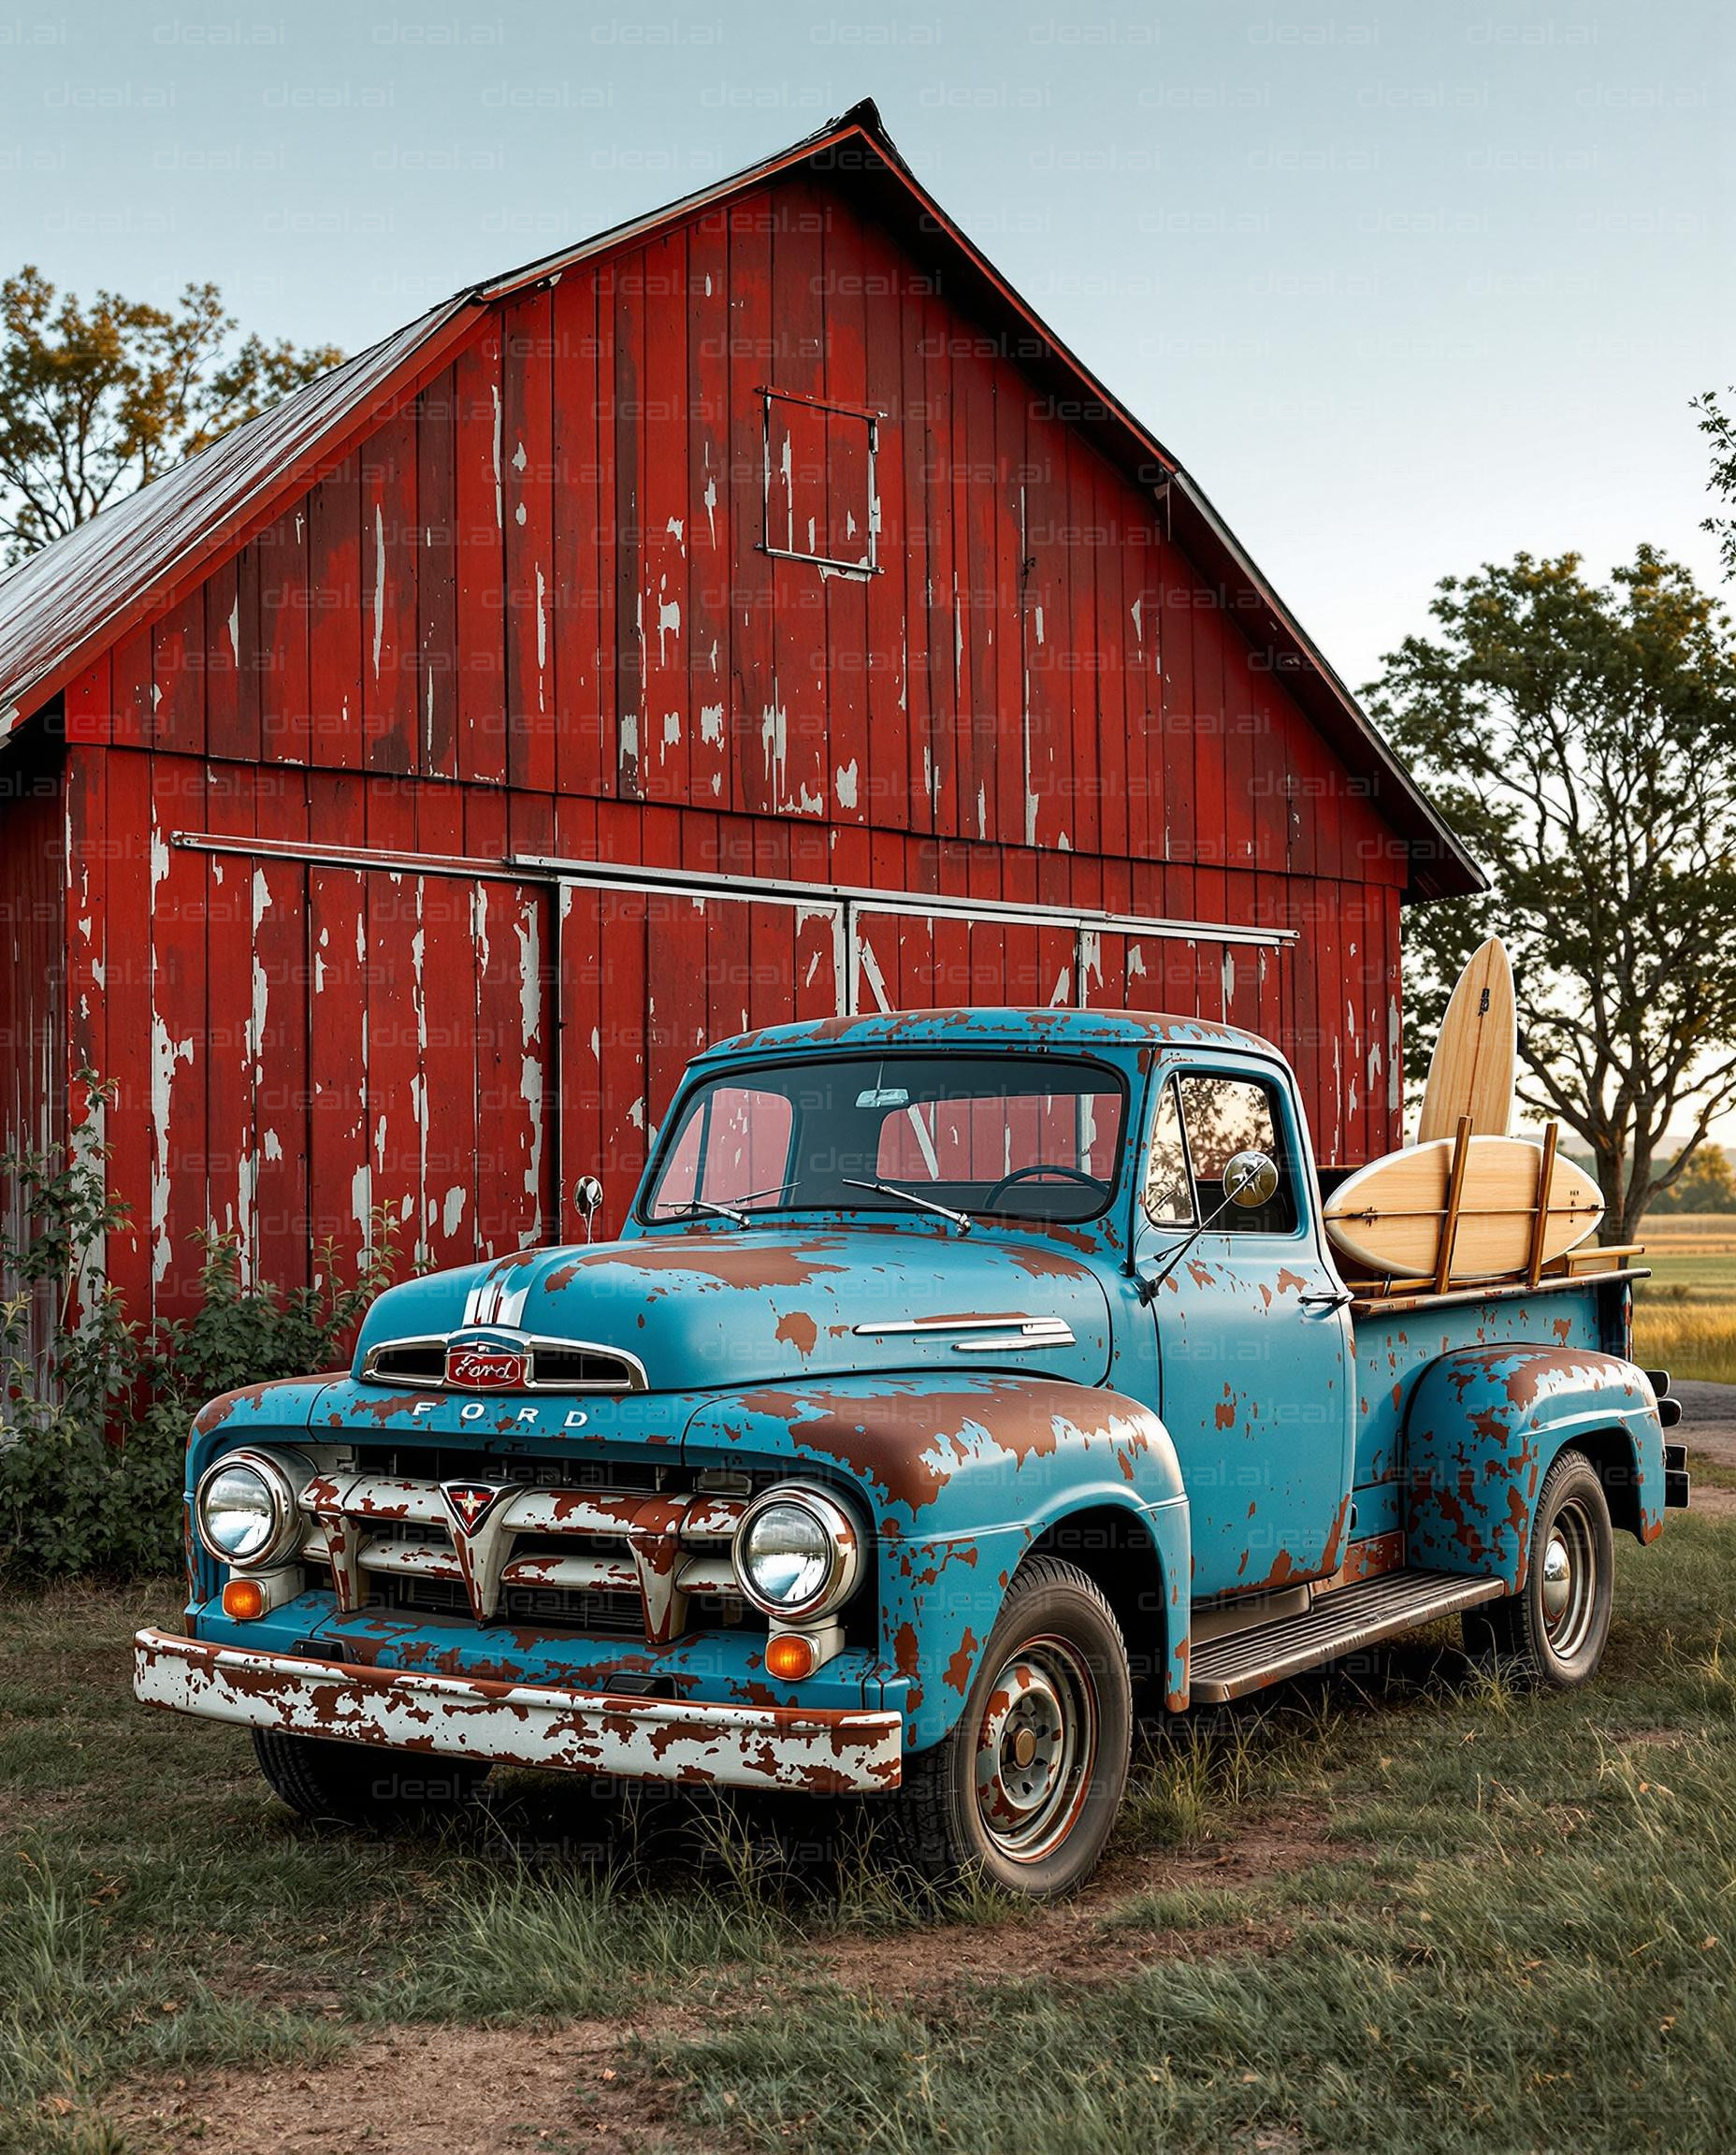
846,906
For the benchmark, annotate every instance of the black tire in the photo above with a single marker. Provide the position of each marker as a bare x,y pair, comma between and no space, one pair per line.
1054,1746
362,1784
1554,1629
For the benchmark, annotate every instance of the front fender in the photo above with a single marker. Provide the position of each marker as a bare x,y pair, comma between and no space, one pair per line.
256,1413
1483,1427
960,1478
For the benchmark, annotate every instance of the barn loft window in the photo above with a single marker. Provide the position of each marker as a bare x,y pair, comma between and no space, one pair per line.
821,503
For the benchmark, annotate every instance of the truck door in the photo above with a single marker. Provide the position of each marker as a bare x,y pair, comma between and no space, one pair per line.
1256,1373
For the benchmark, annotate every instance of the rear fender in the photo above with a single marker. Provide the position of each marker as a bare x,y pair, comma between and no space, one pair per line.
959,1479
1485,1424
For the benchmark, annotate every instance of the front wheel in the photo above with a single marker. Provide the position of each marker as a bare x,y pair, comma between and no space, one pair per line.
360,1783
1555,1627
1028,1783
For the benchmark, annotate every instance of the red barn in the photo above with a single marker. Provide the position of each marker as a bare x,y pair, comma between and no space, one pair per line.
752,611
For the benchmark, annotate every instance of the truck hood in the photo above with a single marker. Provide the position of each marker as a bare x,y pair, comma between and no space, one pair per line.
716,1307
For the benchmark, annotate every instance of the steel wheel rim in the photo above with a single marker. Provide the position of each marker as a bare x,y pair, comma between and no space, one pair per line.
1568,1590
1037,1748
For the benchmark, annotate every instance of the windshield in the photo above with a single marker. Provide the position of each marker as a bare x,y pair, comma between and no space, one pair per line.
1030,1137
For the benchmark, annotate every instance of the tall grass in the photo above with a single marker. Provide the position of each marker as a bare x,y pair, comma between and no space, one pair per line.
1690,1340
518,1943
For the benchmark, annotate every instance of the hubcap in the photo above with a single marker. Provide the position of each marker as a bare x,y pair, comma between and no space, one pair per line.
1035,1748
1567,1589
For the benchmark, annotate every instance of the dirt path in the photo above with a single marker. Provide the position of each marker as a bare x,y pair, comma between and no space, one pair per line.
1709,1424
421,2091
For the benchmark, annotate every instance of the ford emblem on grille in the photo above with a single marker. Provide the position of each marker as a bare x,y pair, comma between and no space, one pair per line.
485,1365
470,1502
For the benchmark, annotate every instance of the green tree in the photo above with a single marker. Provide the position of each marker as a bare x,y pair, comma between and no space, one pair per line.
1582,738
1709,1184
96,401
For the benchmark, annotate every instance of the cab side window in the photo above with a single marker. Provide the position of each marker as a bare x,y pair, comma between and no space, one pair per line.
1203,1121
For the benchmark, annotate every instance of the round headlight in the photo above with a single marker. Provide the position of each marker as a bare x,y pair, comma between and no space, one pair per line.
797,1554
245,1509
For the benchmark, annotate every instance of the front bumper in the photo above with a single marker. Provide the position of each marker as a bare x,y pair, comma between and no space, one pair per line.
817,1750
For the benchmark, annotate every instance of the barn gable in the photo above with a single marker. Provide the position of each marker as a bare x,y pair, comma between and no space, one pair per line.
749,613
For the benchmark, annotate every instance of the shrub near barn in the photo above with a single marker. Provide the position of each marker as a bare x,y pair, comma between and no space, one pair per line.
94,1431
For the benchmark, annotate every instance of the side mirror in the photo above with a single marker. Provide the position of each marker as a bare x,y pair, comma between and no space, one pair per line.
1249,1178
587,1200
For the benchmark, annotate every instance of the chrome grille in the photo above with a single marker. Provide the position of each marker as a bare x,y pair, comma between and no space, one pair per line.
497,1548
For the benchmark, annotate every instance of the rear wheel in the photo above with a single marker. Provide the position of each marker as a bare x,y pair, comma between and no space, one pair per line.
1028,1783
361,1784
1555,1627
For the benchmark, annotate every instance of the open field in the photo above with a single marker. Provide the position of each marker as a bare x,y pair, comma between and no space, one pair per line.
1401,1908
1685,1316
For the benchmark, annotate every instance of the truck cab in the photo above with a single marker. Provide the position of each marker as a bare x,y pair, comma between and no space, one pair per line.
960,1382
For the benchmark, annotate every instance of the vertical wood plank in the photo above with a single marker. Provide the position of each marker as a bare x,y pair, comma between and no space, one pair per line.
278,1049
666,606
711,506
335,629
478,425
528,456
340,1161
285,609
754,706
624,281
386,483
582,527
436,578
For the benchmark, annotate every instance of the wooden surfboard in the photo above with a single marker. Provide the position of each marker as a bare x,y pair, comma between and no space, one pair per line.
1472,1070
1387,1217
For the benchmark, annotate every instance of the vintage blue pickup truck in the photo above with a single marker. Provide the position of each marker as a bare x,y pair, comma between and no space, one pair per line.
960,1377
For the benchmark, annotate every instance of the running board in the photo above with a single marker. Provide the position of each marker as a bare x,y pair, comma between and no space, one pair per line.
1338,1623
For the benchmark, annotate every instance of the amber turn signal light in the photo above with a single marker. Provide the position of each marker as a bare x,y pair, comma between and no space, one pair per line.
244,1599
789,1657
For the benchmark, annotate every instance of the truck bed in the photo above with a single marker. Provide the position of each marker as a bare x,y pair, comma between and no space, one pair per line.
1397,1335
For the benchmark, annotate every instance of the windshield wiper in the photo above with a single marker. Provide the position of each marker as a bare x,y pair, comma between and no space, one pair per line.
731,1211
710,1205
961,1221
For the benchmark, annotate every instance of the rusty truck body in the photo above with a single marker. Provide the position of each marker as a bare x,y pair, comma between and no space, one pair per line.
960,1377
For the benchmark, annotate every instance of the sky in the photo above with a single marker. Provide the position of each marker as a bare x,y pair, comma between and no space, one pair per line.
1406,288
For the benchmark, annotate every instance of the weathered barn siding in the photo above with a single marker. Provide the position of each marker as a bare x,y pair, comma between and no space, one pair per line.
535,615
33,936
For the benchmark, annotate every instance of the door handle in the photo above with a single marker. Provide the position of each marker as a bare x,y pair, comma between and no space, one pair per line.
1336,1299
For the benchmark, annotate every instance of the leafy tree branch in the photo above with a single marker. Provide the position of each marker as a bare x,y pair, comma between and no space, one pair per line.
96,401
1582,738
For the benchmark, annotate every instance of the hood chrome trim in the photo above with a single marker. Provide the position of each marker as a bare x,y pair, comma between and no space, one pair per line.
1010,1330
632,1377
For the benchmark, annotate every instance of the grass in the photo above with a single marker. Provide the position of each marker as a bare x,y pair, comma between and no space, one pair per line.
1685,1316
1405,1906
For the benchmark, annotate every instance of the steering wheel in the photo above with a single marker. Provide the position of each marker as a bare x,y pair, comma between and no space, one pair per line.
1044,1168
